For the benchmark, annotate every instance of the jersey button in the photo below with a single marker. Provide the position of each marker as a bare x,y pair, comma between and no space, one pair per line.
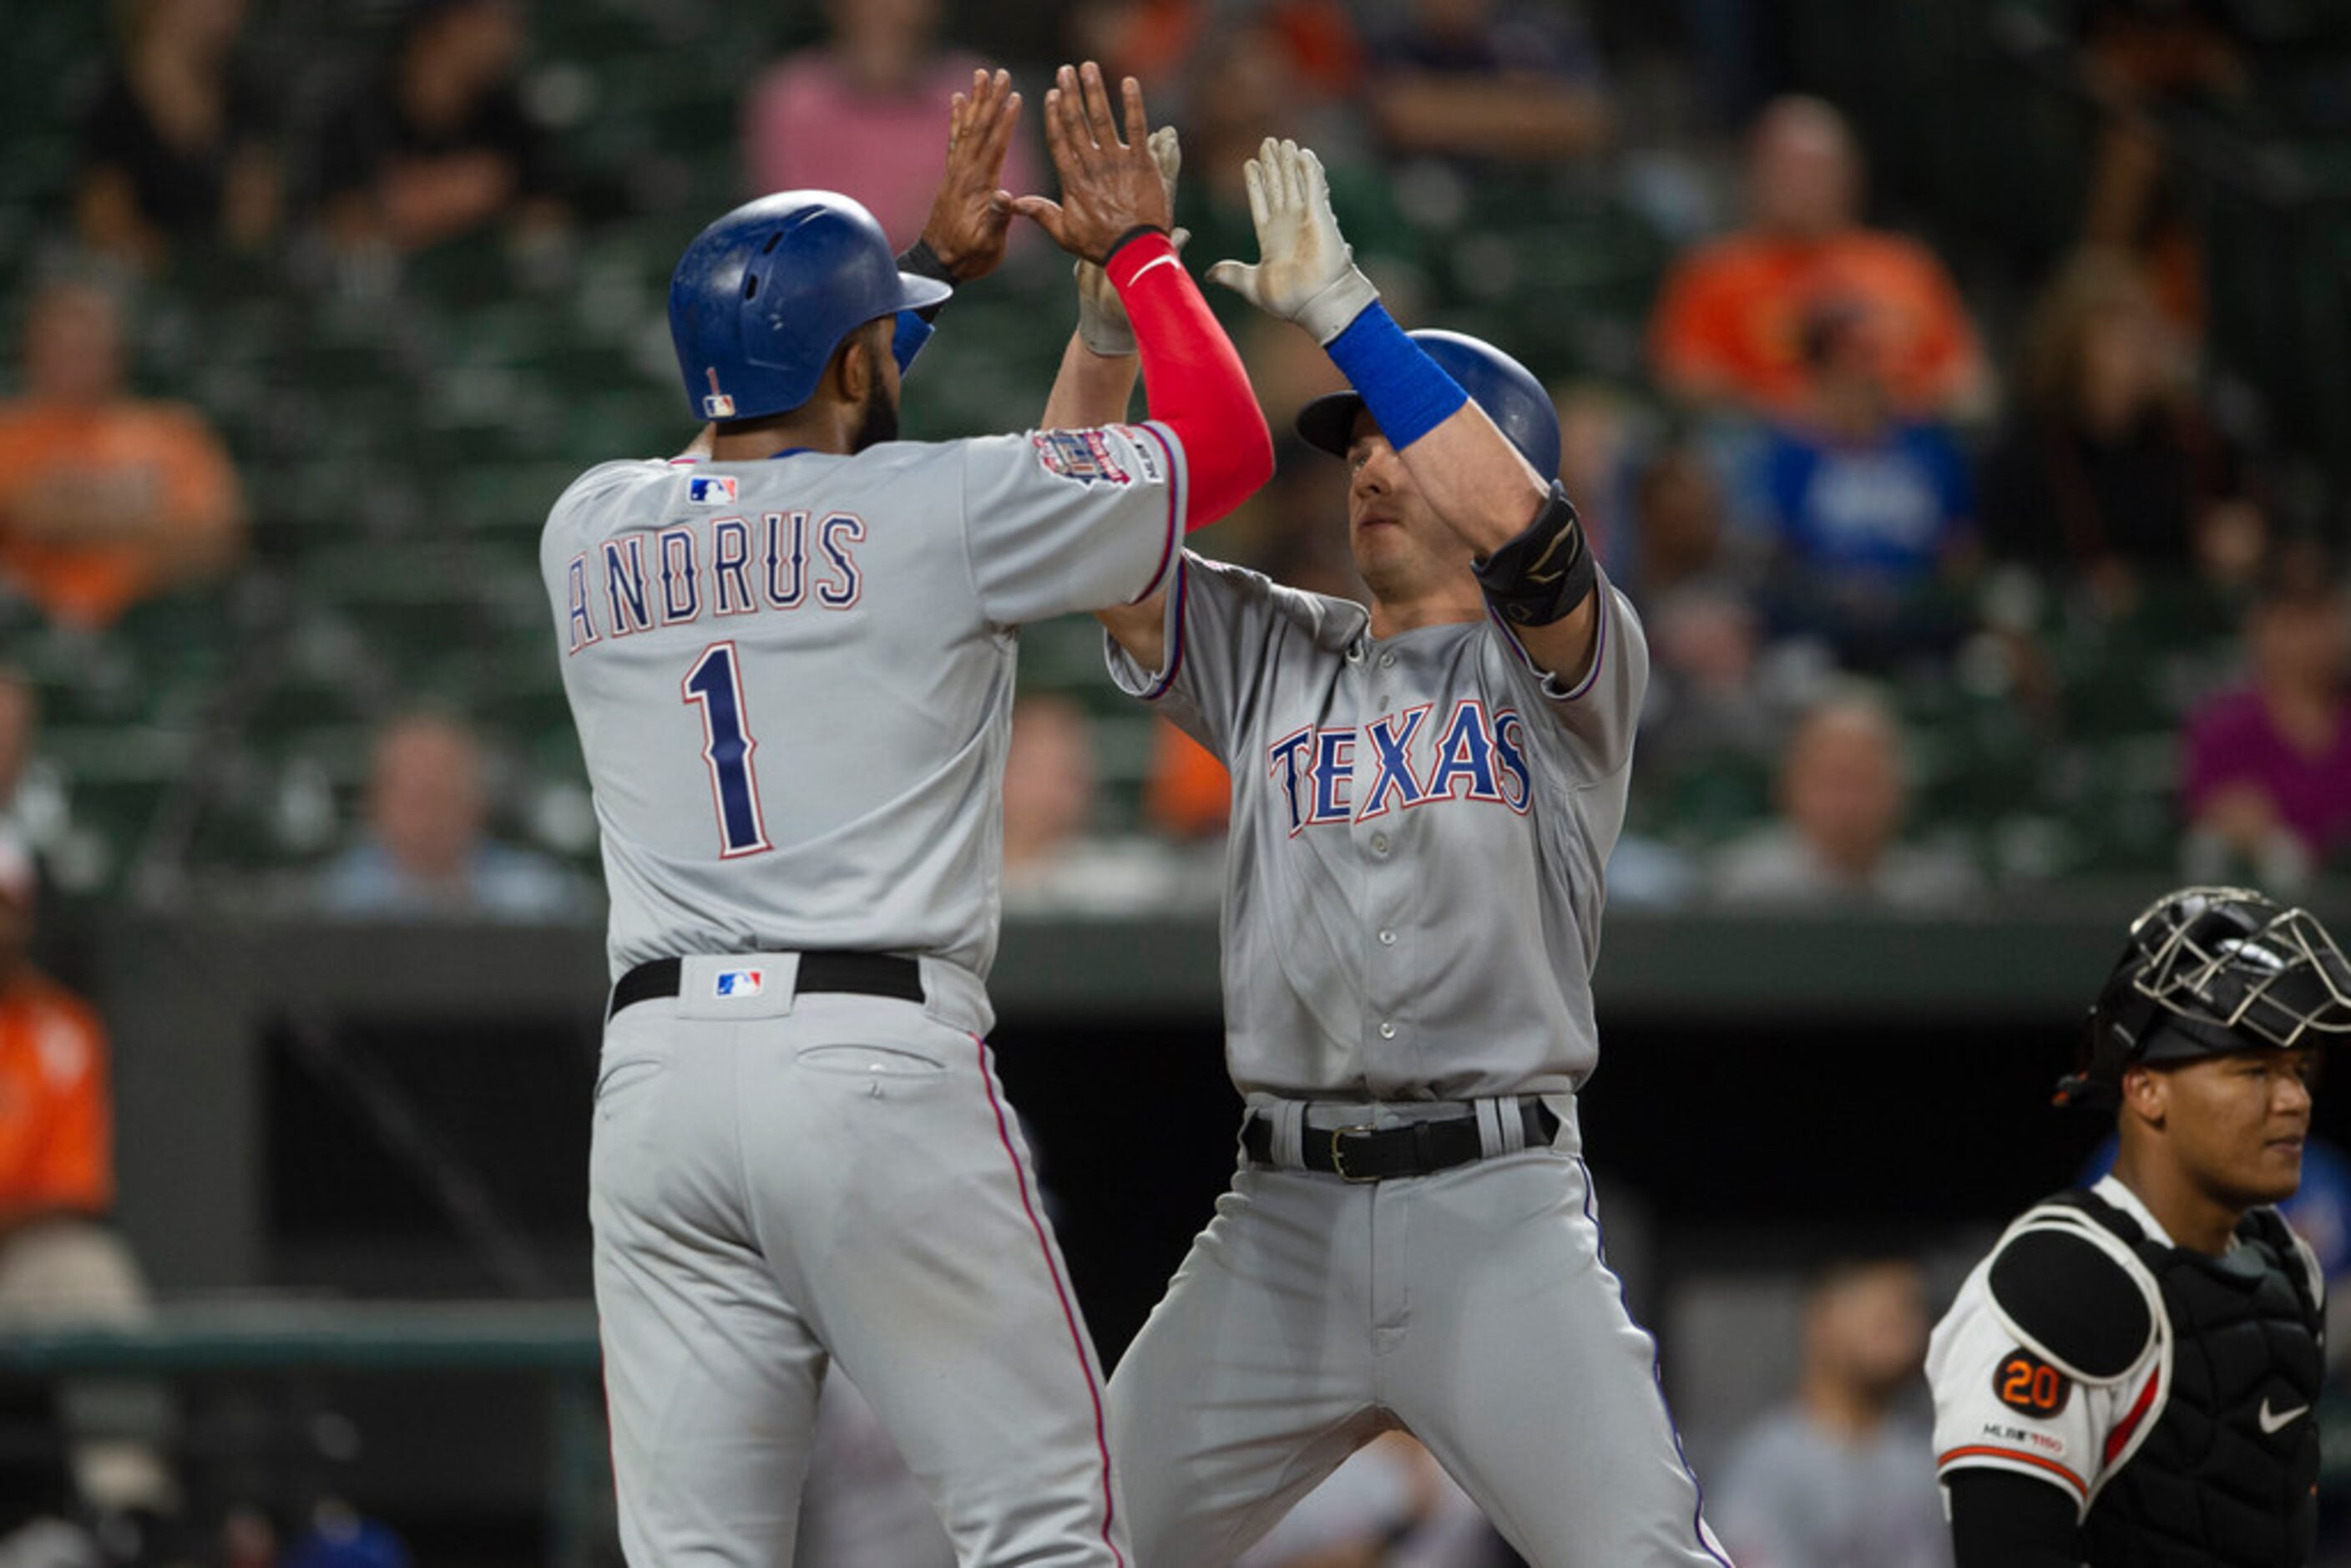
1379,843
1387,1032
1387,938
1387,661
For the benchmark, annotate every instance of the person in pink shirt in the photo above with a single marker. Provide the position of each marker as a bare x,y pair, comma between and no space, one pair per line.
2269,767
860,114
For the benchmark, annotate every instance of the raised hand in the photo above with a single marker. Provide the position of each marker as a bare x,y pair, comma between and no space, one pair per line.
970,216
1110,183
1102,320
1305,272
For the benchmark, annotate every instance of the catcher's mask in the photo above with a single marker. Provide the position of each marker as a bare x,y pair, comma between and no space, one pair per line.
2207,971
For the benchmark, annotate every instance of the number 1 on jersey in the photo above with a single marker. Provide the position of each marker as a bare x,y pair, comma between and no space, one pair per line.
714,684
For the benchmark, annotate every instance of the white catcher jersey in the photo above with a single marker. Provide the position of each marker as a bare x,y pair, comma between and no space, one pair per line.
1420,825
793,678
2000,1406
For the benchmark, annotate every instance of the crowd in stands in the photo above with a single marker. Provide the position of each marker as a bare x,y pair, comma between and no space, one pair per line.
1815,459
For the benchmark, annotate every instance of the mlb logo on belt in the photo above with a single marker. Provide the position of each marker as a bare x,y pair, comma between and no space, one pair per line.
740,982
711,490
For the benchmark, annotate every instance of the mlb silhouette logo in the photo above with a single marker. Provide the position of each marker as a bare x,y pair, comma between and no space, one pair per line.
718,405
740,982
711,490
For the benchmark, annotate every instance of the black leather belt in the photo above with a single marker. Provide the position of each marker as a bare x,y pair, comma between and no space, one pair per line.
1412,1149
866,973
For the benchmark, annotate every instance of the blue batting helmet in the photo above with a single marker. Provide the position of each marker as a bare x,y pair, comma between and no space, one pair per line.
1505,388
763,296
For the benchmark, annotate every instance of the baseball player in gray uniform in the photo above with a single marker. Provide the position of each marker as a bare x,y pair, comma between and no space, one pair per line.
791,659
1424,799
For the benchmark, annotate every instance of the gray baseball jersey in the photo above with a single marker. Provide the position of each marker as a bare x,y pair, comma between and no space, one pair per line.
792,678
1420,828
793,685
1412,912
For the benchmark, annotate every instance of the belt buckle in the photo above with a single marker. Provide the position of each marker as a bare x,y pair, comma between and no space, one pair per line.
1339,1157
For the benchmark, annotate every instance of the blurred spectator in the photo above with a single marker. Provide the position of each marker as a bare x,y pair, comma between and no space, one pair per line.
1053,859
1048,785
1462,80
1188,794
104,501
1152,40
2109,465
2269,767
2138,58
1597,435
1699,608
1842,798
439,144
1389,1505
861,114
1869,507
1729,325
179,144
61,1264
425,852
1839,1478
1241,88
20,723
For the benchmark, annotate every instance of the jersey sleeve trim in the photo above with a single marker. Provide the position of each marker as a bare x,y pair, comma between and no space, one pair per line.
1550,682
1176,601
1172,450
1991,1455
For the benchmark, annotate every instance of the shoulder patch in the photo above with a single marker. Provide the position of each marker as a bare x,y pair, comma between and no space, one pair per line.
2073,1301
2030,1386
1083,456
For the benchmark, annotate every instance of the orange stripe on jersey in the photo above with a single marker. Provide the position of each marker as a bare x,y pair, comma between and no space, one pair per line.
2121,1435
1945,1461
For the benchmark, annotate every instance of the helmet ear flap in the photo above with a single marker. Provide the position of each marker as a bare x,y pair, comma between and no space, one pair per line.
2111,1039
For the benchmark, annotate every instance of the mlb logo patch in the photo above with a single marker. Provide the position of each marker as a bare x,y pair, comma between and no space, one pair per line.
1083,456
711,489
736,982
718,405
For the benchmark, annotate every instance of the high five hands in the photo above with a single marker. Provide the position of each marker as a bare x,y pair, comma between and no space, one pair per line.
1117,175
1305,272
1110,182
971,217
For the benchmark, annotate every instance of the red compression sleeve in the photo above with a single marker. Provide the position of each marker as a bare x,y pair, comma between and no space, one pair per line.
1194,379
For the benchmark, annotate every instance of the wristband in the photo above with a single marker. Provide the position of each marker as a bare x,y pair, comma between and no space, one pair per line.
1129,237
921,260
1407,393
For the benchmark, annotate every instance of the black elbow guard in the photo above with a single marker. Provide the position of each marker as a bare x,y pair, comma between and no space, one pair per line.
1547,572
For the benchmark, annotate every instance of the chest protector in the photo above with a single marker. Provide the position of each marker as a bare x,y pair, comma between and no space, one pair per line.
2226,1474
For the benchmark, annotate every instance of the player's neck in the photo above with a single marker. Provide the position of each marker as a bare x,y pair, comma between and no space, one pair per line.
2191,1216
816,428
1443,607
1838,1407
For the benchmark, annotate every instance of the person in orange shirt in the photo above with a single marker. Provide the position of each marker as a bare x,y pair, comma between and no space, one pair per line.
55,1129
104,499
1730,324
60,1264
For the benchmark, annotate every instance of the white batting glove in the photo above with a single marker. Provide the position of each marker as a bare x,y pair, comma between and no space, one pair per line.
1102,320
1305,271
